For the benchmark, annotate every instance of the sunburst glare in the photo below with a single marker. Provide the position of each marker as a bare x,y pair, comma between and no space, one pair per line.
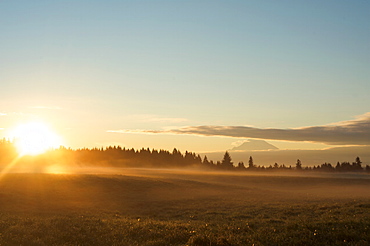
34,138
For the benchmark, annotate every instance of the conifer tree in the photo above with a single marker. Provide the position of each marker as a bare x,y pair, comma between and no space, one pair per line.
226,161
298,165
250,162
241,165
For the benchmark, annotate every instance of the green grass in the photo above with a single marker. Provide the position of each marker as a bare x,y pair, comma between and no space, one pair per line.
163,207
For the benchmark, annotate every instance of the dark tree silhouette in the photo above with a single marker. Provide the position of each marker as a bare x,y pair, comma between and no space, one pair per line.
250,163
241,165
357,164
326,167
367,168
116,156
298,165
348,167
206,161
337,167
226,161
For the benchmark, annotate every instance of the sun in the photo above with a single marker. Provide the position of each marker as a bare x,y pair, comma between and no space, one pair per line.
34,138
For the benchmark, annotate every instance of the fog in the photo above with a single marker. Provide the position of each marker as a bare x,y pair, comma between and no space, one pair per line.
173,193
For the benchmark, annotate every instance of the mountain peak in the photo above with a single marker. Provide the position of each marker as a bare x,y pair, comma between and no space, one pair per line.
253,144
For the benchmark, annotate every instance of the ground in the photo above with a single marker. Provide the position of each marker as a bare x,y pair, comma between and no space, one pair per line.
183,207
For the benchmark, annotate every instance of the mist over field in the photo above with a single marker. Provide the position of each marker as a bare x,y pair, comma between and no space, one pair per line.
144,192
118,189
183,207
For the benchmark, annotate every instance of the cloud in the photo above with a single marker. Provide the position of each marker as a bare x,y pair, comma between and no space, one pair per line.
2,114
352,132
151,118
140,131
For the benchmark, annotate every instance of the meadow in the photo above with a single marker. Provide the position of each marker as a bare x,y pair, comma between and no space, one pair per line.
183,207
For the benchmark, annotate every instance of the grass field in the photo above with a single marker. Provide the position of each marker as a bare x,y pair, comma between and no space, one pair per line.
172,207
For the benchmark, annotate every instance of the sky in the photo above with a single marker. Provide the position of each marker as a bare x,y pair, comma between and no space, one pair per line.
200,76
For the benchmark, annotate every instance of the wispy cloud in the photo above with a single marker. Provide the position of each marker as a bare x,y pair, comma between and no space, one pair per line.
352,132
2,114
140,131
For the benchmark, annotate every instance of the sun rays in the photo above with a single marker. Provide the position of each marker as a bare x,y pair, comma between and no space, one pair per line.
34,138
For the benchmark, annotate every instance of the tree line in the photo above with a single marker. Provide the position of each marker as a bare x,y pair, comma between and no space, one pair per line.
355,166
116,156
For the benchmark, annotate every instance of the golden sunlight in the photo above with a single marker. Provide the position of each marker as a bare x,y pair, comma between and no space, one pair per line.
56,169
34,138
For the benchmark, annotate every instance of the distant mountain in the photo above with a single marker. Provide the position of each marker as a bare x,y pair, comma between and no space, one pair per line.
253,144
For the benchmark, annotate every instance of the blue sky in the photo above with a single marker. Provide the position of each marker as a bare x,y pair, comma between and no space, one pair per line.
87,67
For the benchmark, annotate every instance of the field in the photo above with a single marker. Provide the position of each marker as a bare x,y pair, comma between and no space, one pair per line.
183,207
